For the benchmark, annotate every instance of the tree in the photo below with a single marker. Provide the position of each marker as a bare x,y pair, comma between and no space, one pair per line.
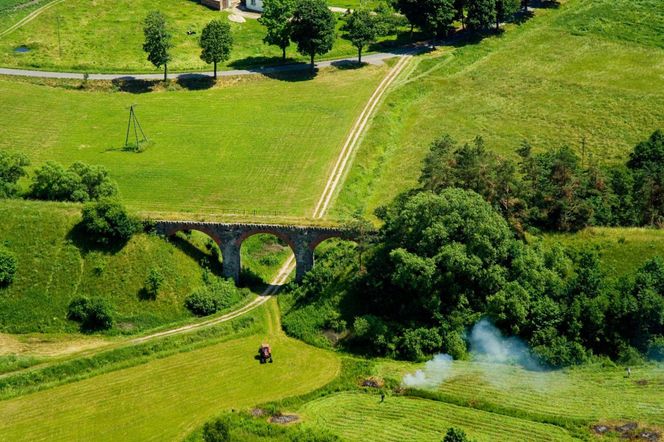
7,266
505,10
361,30
107,222
365,235
413,10
480,14
439,16
276,18
647,163
455,435
157,40
312,28
12,168
93,314
79,182
153,283
216,43
216,431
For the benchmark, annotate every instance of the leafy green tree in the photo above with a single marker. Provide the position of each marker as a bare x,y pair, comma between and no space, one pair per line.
276,18
79,182
480,14
216,43
8,266
313,28
92,313
360,29
216,431
12,168
505,10
364,234
157,40
647,163
108,222
153,282
459,7
439,16
455,435
414,11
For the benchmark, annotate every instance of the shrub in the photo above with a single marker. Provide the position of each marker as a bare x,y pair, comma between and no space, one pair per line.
80,182
215,295
216,431
153,282
12,168
93,314
455,435
7,266
416,344
108,221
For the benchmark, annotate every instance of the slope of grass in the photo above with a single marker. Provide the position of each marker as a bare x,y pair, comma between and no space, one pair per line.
165,399
54,267
622,250
107,36
589,393
591,69
250,145
357,416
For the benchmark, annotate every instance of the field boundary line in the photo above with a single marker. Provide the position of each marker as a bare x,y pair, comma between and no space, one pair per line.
28,18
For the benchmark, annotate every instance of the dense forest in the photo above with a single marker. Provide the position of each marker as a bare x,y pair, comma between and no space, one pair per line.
455,251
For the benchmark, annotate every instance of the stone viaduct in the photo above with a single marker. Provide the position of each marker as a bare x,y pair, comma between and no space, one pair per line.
302,240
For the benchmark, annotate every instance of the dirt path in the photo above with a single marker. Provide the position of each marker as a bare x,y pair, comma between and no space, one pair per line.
27,19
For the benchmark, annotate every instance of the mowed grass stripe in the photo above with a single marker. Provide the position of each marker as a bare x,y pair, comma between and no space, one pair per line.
166,398
358,416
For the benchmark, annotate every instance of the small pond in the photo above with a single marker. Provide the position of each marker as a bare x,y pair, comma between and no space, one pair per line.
22,49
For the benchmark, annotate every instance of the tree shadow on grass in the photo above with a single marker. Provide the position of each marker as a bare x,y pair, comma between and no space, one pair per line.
202,258
134,86
195,82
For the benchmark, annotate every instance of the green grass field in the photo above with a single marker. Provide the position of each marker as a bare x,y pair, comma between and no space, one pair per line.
590,69
357,416
622,250
589,393
247,145
166,398
107,36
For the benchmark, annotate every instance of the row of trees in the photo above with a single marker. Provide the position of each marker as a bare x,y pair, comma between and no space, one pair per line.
437,16
556,189
216,42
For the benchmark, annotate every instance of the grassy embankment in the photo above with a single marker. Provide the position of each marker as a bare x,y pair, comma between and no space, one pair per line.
107,36
255,146
590,69
55,264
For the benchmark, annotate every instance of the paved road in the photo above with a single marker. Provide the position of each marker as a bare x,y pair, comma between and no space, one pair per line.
377,58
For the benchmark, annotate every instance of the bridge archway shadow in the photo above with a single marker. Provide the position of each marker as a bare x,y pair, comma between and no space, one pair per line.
200,247
261,257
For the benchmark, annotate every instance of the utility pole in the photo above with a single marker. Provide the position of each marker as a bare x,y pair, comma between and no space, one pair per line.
137,127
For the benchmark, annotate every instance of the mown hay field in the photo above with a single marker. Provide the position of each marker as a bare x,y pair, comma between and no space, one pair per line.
358,416
167,398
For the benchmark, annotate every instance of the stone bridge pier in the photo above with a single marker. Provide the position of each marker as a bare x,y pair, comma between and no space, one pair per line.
302,240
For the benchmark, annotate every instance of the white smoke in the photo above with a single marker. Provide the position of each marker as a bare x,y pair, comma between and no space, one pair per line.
434,373
487,344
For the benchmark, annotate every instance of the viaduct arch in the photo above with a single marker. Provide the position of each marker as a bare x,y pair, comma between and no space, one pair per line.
302,240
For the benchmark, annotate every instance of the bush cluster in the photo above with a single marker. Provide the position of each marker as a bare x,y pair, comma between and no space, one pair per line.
79,182
107,221
12,168
92,313
216,294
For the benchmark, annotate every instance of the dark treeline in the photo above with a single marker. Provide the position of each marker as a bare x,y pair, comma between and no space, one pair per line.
446,256
555,190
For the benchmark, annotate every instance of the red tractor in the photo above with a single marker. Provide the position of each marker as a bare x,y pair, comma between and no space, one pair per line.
265,353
